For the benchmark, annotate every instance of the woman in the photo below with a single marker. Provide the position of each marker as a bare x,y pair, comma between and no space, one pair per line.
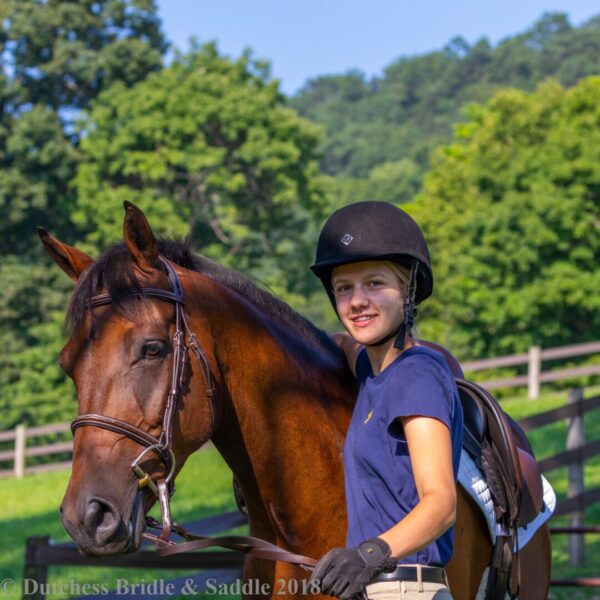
403,445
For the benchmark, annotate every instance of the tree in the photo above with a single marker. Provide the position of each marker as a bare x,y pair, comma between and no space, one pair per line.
65,53
411,109
58,56
511,211
207,148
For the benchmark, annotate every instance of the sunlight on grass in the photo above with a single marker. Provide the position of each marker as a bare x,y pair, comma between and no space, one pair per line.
29,507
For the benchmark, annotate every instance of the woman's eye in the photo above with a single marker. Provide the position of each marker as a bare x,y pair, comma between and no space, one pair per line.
154,349
341,289
375,283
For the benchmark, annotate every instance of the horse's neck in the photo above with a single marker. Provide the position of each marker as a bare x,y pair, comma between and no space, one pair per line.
286,404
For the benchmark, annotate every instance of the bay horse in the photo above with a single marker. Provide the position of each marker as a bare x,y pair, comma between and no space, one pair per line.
280,404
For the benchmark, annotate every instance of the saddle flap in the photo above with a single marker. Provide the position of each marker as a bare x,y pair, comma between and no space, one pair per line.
532,490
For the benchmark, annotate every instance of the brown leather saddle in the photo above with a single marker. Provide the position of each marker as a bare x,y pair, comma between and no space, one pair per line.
501,450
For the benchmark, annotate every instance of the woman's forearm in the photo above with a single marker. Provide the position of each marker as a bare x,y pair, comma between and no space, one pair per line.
432,516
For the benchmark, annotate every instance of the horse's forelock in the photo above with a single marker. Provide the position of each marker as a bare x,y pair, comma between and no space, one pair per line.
113,273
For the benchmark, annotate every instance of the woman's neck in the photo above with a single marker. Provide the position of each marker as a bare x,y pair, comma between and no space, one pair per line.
383,356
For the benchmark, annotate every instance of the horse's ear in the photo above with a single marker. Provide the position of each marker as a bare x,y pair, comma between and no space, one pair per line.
139,238
71,260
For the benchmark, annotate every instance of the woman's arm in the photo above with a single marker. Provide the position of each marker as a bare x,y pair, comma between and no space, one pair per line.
430,448
349,346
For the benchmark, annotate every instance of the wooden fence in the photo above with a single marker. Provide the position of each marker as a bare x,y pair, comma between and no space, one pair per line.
578,498
40,553
534,360
20,452
224,566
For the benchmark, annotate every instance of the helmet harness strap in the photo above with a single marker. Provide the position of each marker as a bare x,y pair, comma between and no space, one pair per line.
405,328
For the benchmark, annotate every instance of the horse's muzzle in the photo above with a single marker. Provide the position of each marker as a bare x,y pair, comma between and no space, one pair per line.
99,528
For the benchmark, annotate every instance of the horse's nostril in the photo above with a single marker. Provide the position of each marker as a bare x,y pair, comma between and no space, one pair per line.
101,520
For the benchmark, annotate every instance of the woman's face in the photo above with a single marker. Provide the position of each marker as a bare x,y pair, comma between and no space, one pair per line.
369,299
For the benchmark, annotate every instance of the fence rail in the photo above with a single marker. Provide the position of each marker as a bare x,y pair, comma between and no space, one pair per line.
20,452
578,498
41,553
533,359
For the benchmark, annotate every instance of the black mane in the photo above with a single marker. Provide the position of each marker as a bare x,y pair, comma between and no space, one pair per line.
113,272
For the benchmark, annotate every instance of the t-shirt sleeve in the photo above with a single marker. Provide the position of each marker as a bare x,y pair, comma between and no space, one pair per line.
421,388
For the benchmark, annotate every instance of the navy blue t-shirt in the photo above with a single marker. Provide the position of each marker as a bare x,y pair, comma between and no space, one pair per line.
380,485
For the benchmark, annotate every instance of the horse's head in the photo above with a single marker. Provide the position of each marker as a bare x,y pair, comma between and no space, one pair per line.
132,380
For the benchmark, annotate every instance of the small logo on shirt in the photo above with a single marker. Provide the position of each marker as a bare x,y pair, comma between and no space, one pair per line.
369,416
346,239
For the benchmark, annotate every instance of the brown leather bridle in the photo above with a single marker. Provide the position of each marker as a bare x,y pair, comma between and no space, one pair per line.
162,446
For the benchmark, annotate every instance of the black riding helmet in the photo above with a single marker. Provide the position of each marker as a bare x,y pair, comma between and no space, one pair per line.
373,231
376,231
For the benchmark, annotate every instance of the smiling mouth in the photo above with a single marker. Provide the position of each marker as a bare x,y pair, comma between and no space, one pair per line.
363,320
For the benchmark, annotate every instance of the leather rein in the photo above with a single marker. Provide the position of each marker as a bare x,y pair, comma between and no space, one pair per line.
163,487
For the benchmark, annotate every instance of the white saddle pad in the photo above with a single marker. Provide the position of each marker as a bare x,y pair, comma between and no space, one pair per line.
471,479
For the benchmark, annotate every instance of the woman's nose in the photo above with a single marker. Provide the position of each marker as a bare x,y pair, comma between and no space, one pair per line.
359,297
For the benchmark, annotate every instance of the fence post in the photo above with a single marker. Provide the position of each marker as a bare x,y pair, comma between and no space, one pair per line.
534,368
20,445
576,439
35,574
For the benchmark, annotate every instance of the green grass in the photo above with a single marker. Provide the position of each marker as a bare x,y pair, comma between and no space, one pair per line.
29,507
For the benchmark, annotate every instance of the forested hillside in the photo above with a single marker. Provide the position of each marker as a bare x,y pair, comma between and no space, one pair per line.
382,130
210,148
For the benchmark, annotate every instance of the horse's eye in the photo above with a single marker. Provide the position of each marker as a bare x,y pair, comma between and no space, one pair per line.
154,349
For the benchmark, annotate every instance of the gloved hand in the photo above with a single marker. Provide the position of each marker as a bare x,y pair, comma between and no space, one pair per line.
344,572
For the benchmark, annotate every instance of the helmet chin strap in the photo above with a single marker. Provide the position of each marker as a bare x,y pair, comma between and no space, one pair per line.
405,328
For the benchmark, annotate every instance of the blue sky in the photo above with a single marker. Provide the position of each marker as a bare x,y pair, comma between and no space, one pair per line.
306,38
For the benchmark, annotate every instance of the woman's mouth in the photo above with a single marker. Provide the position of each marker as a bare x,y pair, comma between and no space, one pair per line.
363,320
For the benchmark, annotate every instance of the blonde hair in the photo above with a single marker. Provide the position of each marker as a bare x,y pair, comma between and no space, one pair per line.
402,273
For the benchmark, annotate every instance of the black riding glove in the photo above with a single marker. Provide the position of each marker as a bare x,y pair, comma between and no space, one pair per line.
344,572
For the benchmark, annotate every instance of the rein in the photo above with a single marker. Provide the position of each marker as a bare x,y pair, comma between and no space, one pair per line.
163,487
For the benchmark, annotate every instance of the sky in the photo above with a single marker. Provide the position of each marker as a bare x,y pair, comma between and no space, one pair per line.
307,38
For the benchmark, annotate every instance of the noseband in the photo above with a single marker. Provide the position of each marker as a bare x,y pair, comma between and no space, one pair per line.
162,445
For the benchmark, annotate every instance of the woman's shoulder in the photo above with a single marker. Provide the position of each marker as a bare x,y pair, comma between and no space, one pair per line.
425,358
420,364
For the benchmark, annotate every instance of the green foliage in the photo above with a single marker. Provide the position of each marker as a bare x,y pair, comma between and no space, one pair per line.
32,304
58,56
511,211
38,162
207,148
410,110
64,53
